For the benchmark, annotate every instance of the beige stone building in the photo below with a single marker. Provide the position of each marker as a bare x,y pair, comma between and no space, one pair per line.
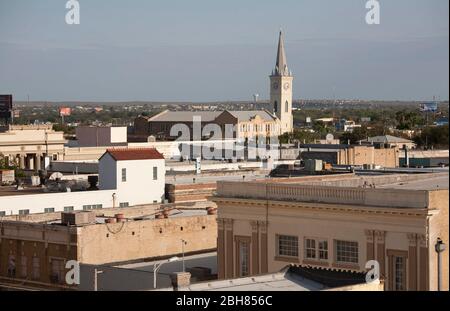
353,155
34,249
337,224
243,124
28,145
390,141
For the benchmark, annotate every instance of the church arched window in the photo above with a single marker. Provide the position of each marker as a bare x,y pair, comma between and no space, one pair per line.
275,108
286,107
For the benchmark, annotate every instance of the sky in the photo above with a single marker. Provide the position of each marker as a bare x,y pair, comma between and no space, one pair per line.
211,50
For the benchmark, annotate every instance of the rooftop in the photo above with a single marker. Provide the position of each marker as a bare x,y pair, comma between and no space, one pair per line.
209,116
291,278
130,154
132,213
439,181
379,191
387,139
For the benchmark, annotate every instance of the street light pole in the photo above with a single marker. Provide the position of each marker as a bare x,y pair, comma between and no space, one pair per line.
156,267
183,243
96,273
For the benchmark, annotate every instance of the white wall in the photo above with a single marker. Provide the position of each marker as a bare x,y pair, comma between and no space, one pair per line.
118,134
36,203
140,188
107,178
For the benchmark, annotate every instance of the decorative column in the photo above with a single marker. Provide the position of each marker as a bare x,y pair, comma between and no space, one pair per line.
412,257
221,262
263,238
381,251
370,235
423,262
22,161
255,248
38,162
229,249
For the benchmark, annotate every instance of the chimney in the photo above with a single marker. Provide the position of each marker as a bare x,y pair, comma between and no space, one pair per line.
180,279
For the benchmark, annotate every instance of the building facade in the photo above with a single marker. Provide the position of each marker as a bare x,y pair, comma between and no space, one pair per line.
336,225
203,125
352,155
31,146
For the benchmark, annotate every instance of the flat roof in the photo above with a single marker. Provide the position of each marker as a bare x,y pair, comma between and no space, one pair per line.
439,182
11,190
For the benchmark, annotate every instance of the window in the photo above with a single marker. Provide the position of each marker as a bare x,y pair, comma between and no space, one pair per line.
316,249
124,204
124,174
11,266
23,267
244,258
287,246
24,212
49,210
97,206
275,106
68,208
87,207
58,271
310,249
286,106
2,214
346,251
323,250
36,268
155,173
400,273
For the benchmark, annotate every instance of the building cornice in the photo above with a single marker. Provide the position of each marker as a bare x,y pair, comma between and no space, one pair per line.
326,207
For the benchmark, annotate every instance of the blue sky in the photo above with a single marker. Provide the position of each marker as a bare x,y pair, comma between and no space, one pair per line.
210,50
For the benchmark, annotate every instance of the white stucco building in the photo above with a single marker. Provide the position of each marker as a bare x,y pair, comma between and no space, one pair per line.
127,177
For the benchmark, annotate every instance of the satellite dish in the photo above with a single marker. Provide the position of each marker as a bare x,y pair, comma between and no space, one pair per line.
56,176
329,138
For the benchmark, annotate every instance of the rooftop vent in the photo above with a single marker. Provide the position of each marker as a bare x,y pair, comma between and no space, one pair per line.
78,218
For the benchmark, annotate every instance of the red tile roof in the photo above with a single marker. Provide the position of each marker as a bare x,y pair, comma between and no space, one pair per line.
130,154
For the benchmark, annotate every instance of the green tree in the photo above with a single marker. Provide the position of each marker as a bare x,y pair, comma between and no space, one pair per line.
435,137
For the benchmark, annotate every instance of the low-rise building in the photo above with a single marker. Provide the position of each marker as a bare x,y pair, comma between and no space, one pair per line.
339,224
35,249
31,146
357,155
247,124
389,141
127,177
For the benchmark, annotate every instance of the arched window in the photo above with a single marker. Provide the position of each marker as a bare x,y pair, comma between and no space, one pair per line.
275,106
286,107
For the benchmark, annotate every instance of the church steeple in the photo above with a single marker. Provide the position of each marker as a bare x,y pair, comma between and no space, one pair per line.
281,67
281,90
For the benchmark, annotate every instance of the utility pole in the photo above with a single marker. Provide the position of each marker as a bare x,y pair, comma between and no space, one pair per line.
183,243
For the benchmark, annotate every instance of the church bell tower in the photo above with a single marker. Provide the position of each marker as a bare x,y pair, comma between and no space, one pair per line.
281,89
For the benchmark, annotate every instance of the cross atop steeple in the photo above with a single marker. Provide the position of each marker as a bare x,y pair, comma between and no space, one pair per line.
281,68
